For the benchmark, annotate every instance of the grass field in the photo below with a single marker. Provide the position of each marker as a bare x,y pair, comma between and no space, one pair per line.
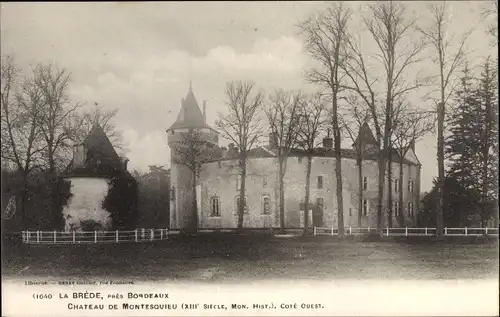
236,258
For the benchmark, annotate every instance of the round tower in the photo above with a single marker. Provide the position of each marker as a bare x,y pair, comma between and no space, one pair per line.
183,214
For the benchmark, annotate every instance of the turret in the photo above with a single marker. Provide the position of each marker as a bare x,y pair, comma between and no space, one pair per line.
183,215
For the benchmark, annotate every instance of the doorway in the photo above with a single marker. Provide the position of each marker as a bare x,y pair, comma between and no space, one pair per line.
318,213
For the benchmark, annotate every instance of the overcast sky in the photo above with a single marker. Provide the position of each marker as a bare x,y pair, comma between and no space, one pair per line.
140,57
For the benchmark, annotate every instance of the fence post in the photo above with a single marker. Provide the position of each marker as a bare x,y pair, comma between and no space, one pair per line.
73,236
135,235
314,230
332,232
486,230
55,236
350,230
143,233
27,236
116,236
466,231
406,231
95,236
166,233
161,234
445,231
368,229
387,231
425,230
152,235
38,237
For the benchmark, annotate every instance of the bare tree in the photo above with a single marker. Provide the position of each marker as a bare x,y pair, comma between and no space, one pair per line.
411,125
390,27
20,104
283,117
242,125
447,59
313,116
57,112
355,118
492,28
325,41
192,150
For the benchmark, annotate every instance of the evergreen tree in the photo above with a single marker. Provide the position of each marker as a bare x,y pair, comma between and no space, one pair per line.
472,146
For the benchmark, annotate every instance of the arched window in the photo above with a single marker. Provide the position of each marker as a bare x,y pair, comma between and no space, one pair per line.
266,205
214,206
238,204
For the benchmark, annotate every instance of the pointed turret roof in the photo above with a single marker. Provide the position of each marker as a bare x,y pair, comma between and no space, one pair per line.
190,115
98,142
365,135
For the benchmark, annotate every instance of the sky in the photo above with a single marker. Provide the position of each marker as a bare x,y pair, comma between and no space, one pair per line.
140,57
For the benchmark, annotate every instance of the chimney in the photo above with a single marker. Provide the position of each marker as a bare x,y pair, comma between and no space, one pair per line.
124,161
273,140
205,110
328,141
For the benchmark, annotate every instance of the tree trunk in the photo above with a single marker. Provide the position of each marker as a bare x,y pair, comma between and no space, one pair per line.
389,183
380,196
401,218
306,202
440,157
242,204
282,194
360,188
338,176
194,225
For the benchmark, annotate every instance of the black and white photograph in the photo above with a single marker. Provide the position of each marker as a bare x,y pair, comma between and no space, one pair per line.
249,158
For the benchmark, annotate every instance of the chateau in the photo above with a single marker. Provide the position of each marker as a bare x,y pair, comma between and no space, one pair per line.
217,189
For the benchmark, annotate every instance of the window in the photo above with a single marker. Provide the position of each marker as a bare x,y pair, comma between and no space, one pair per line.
215,206
238,205
300,159
365,207
410,186
396,208
320,182
266,205
365,183
396,185
410,209
264,181
238,182
172,193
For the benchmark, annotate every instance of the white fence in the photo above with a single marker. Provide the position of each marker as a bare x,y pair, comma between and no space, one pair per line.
408,231
93,237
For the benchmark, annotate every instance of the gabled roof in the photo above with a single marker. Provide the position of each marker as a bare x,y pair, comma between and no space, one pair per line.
190,115
365,135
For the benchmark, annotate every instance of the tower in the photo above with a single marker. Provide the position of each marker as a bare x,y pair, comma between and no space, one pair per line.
182,212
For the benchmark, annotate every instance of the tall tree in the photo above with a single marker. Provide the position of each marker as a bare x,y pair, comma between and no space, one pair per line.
313,118
57,112
355,118
242,125
21,106
411,125
448,55
56,122
192,150
283,117
325,40
389,26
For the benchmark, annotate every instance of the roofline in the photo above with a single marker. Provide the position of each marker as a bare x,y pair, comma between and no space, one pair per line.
186,127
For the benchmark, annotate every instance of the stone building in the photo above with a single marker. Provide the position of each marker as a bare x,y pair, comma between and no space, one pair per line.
217,188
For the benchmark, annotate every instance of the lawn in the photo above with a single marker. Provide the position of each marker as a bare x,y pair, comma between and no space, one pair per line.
235,258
